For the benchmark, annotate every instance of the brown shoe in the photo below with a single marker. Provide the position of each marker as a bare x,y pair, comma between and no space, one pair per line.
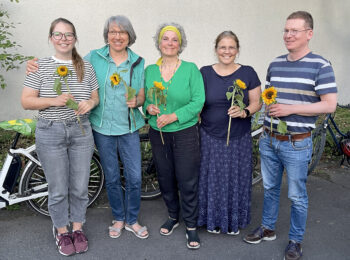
260,234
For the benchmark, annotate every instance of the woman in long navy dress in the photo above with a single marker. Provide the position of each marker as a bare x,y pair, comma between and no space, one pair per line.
226,171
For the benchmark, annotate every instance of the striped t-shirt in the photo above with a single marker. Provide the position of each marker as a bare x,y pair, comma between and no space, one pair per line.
299,82
43,80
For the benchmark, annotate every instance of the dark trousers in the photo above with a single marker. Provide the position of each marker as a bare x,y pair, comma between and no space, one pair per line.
177,163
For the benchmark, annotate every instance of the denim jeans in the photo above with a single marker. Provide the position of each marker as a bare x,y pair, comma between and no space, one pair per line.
65,154
293,156
177,163
125,207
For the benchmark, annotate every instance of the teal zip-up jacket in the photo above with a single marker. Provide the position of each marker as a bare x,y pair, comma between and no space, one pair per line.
99,59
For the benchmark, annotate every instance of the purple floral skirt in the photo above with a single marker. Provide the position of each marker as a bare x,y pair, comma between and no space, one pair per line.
225,183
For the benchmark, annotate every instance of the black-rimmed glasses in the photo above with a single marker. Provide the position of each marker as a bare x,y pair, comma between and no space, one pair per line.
68,35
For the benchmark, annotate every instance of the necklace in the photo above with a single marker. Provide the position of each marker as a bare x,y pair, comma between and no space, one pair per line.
170,80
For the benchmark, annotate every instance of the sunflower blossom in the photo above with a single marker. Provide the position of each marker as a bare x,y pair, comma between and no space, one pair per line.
62,71
241,84
115,79
158,85
269,95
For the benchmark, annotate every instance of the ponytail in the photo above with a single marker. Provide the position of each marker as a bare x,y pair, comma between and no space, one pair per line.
78,64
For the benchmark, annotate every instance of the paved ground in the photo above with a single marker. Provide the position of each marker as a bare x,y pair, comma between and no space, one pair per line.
25,235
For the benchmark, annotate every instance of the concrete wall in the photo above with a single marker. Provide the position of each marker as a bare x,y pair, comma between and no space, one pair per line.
257,23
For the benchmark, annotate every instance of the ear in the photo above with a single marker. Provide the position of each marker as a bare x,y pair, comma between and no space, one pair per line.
310,33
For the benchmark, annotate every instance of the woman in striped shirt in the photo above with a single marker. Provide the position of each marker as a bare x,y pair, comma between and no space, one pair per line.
64,141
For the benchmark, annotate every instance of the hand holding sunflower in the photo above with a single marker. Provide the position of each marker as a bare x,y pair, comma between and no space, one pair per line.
63,72
236,97
269,96
157,96
130,92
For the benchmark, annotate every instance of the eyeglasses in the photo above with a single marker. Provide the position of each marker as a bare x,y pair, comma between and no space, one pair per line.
115,33
230,48
293,32
68,35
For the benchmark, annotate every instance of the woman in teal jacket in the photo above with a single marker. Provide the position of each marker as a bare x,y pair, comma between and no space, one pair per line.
115,122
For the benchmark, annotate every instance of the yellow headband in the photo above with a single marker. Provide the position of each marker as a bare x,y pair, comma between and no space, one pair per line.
169,28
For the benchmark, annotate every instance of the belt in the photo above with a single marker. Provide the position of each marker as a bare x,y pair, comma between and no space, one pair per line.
295,137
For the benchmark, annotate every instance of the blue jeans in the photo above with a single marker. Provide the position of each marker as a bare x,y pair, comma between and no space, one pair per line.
293,156
125,207
65,154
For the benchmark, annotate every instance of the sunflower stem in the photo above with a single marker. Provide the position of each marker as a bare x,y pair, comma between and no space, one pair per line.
160,129
229,122
78,117
131,109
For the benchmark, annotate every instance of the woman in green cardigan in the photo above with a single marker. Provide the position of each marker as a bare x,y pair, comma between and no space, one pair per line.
175,96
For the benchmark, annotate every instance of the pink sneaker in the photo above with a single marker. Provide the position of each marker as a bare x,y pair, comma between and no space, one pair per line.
65,244
80,241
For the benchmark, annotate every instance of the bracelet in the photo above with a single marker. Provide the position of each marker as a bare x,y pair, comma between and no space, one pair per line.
247,112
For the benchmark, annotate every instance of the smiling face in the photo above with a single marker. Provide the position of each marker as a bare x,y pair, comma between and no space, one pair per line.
298,42
226,50
118,39
169,44
63,46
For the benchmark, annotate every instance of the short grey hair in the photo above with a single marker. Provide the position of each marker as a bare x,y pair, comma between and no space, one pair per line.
124,23
181,30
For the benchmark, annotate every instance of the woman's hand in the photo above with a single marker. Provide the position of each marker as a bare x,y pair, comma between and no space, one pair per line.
164,120
132,103
85,106
153,110
61,100
235,111
32,66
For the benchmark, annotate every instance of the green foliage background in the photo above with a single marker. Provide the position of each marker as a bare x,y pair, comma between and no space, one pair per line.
9,58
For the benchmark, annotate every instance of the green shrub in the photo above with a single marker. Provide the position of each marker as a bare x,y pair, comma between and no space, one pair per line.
9,58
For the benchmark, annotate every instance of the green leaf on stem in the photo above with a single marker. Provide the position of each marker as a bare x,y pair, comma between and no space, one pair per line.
256,120
162,100
131,93
240,103
57,87
282,127
150,93
72,104
229,95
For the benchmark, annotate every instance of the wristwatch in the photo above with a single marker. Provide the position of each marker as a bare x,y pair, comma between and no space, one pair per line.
247,112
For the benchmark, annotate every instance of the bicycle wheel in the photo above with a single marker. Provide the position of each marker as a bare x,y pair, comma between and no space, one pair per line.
149,186
33,176
318,140
256,156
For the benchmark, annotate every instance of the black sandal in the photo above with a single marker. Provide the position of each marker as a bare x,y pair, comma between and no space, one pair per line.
170,225
192,236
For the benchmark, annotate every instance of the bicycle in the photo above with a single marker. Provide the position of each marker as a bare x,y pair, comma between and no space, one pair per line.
319,138
30,184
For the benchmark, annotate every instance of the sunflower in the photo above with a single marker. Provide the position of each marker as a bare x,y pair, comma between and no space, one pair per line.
241,84
269,95
115,79
62,71
158,85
